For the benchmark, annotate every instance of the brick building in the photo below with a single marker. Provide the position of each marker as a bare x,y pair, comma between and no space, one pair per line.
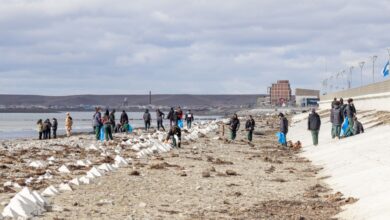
280,93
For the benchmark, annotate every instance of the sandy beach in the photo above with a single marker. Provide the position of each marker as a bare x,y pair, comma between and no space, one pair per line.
208,178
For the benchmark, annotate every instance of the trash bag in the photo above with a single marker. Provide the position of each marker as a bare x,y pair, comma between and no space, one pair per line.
102,133
344,127
281,138
180,124
130,128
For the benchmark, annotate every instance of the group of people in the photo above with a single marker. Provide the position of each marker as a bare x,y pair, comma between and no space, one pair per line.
234,126
47,128
108,123
175,117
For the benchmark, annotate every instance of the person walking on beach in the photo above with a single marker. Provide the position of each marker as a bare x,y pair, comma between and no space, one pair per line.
250,127
147,118
314,125
234,126
283,126
47,129
170,116
68,124
175,135
40,128
107,126
189,118
112,120
124,121
336,118
54,128
97,122
160,116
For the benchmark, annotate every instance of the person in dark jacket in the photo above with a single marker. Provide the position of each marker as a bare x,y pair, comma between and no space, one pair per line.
350,111
160,117
40,128
147,118
54,127
343,107
97,122
173,134
124,121
47,129
107,126
170,116
250,127
112,120
189,118
336,118
314,125
234,126
283,126
357,127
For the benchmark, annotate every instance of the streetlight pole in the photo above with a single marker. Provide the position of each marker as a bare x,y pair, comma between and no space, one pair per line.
373,67
350,75
361,64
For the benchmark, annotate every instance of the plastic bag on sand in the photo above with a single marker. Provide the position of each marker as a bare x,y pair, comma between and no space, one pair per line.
344,127
130,128
180,123
281,138
102,134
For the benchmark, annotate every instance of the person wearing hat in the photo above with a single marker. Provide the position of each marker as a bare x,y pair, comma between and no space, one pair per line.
68,124
314,125
283,126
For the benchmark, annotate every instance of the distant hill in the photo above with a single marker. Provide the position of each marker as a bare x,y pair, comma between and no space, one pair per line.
117,100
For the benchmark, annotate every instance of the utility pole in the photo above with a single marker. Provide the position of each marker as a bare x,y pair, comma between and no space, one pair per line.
150,97
361,64
373,58
350,75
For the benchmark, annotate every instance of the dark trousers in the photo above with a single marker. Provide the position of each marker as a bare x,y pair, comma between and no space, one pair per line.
147,125
108,132
160,125
314,135
233,134
40,135
174,144
250,135
46,134
54,132
97,132
285,136
189,123
336,129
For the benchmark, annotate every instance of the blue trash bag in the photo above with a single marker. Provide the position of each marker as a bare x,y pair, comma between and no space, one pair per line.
281,138
130,128
344,127
102,133
180,124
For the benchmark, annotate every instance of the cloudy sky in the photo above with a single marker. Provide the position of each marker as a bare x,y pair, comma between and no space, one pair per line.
58,47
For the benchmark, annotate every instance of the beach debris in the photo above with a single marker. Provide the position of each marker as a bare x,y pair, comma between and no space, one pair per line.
206,174
106,167
75,182
85,180
24,205
135,173
231,173
64,187
63,169
50,191
120,161
92,147
37,164
94,171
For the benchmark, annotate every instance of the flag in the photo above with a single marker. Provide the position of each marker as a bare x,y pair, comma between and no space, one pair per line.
386,69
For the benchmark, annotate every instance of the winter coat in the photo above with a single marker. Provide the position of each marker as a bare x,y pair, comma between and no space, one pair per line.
314,122
336,116
250,125
55,124
350,110
97,119
147,116
106,120
284,125
124,118
358,128
40,127
234,124
173,132
160,115
189,116
68,122
112,118
170,115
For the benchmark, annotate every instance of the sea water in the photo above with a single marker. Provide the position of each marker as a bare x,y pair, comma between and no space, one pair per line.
24,125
